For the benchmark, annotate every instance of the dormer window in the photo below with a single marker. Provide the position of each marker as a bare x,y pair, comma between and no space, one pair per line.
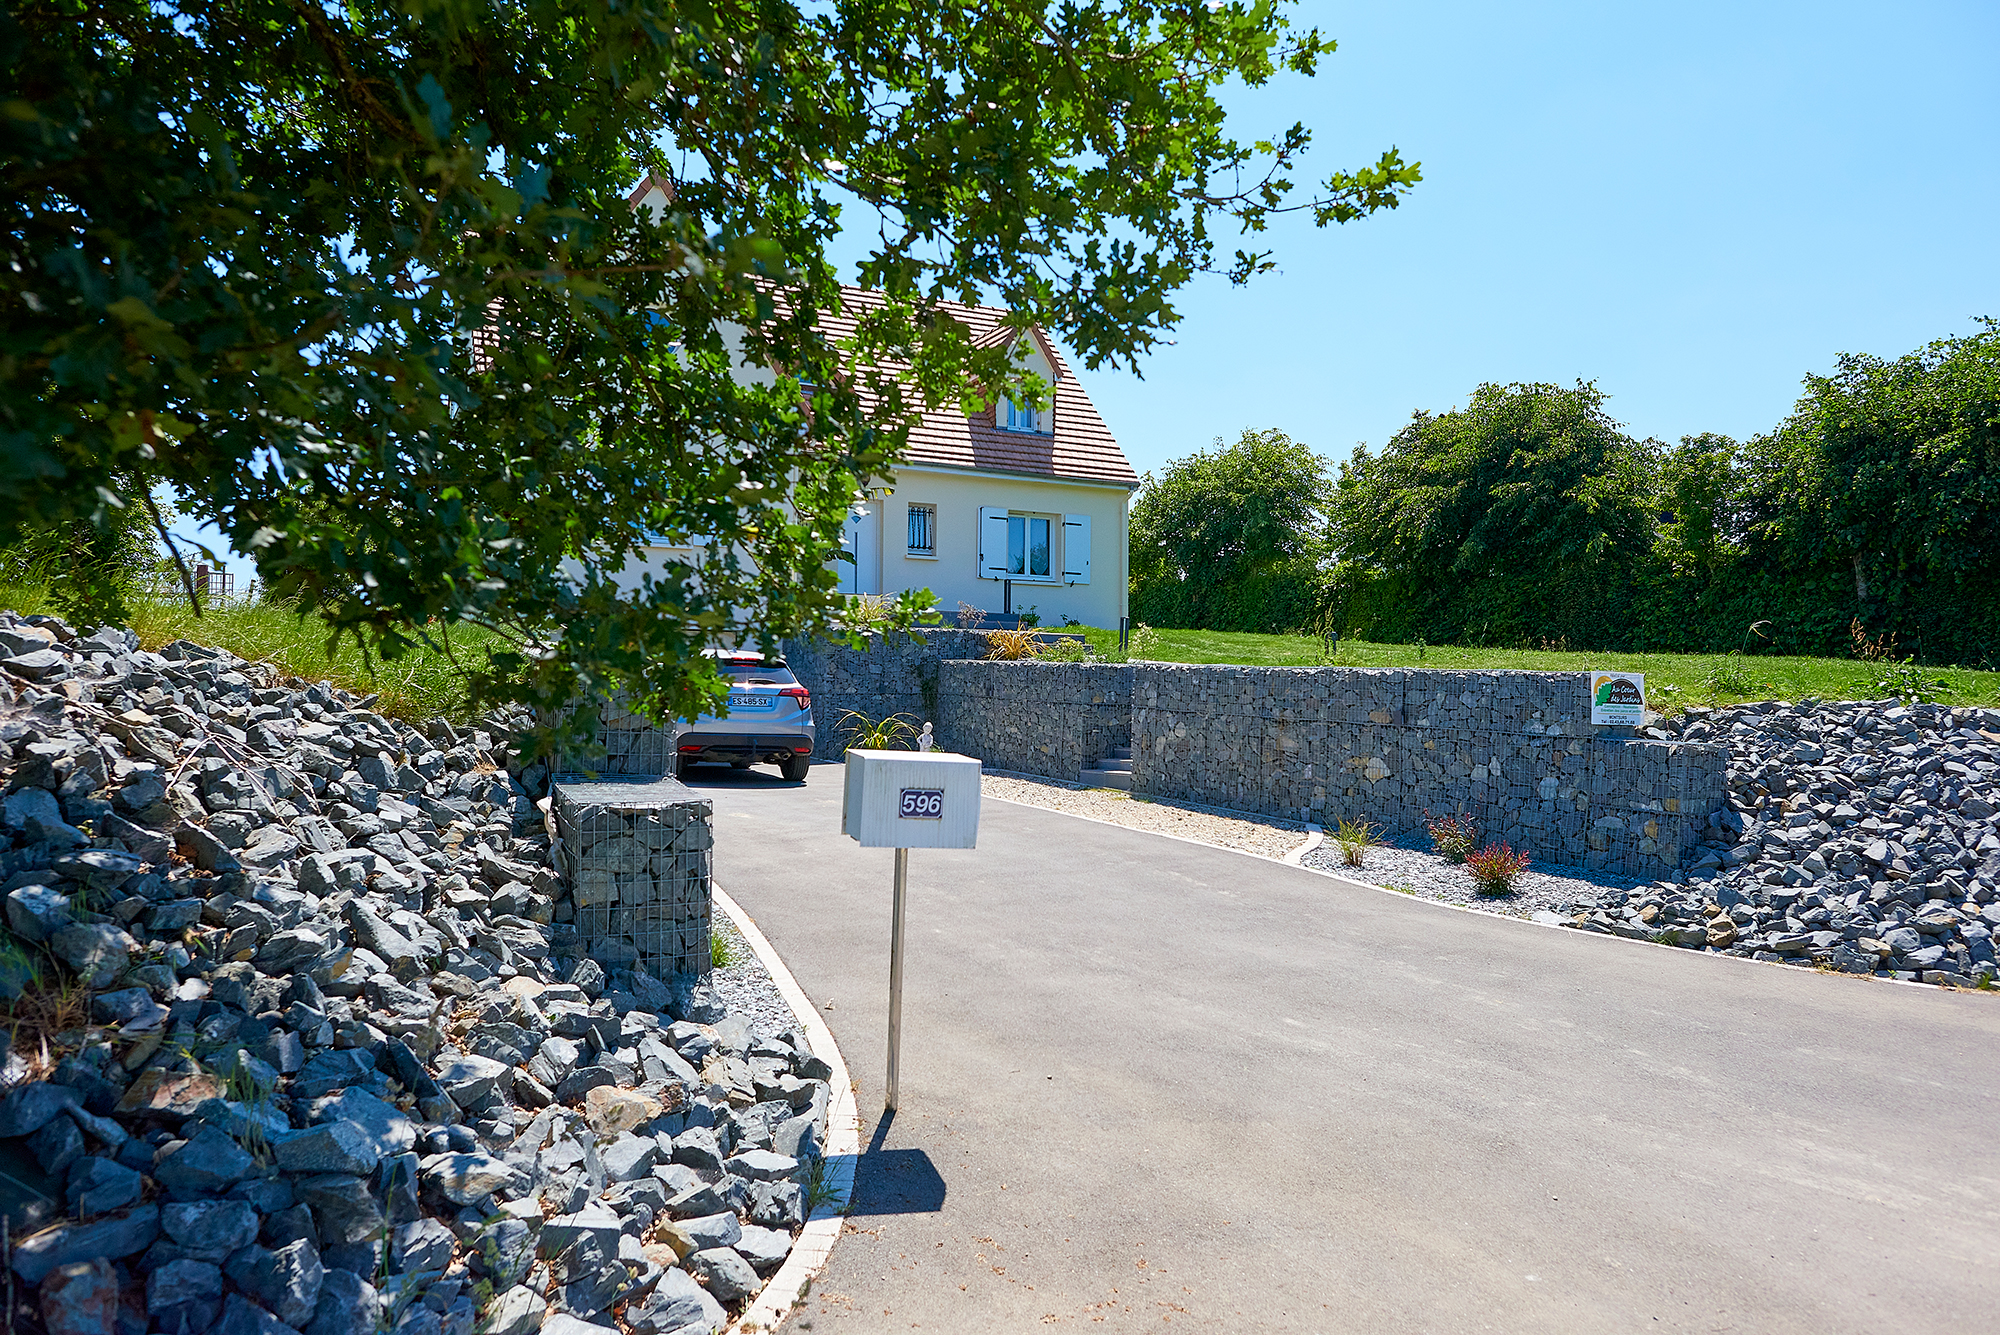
1019,416
1032,354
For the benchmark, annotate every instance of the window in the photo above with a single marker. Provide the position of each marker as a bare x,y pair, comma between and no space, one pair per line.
923,530
1019,417
1022,545
1028,546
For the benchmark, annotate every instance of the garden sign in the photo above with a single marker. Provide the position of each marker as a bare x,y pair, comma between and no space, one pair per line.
1618,698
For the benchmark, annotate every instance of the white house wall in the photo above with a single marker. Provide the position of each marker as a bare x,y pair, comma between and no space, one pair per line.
885,565
954,573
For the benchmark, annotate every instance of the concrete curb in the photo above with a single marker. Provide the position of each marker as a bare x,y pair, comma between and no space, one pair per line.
814,1247
1315,837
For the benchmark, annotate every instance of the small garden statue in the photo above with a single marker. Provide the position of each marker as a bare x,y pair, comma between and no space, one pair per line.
925,741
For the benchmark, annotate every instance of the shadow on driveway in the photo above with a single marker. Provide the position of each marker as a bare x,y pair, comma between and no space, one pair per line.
895,1181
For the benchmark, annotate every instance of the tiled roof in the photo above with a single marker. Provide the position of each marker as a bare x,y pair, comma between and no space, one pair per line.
1081,449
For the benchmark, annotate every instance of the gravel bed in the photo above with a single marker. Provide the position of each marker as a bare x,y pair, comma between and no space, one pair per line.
1405,864
744,985
1263,835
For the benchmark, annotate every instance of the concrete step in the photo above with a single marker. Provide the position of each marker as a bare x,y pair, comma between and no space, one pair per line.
1124,765
1120,753
1120,779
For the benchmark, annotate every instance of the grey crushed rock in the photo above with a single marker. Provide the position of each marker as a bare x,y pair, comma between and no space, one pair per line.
337,994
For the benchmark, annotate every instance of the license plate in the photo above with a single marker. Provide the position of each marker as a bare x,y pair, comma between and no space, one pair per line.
922,804
752,701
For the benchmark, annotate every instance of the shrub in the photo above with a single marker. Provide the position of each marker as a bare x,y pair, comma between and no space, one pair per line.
1355,838
1495,868
1068,650
1452,836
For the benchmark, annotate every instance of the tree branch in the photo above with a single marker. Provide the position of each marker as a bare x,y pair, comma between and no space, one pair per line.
187,577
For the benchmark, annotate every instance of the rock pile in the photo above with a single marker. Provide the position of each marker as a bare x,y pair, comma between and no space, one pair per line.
319,1057
1861,837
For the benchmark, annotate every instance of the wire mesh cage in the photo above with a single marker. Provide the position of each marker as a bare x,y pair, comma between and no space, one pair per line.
628,745
636,860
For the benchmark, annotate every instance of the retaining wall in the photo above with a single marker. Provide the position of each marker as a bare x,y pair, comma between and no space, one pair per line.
895,674
1515,750
1052,719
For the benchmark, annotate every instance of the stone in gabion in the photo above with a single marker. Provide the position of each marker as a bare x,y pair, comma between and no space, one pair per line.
635,862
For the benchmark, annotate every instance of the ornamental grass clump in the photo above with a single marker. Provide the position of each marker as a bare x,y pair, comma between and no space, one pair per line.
1495,868
1013,645
1355,838
1452,836
876,734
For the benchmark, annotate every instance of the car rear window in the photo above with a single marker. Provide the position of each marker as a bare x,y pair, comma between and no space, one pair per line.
750,674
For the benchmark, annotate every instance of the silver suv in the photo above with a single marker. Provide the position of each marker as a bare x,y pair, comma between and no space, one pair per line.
768,719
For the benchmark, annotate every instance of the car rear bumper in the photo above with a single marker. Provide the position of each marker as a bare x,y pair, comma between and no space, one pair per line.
755,747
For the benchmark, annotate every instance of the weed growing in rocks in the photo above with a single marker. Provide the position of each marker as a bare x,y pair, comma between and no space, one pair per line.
1496,867
820,1189
48,1020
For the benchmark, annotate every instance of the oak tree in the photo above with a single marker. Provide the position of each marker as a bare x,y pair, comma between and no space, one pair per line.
361,284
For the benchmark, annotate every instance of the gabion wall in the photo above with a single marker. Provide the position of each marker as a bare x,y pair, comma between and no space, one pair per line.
1052,719
895,674
628,745
1516,750
635,870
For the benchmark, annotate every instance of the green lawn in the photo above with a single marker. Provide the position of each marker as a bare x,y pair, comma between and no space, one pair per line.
420,685
1672,680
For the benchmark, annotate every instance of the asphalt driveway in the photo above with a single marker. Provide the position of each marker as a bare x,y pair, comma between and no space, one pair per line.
1152,1084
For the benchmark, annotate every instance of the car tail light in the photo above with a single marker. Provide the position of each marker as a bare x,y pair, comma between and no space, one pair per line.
803,750
686,749
800,694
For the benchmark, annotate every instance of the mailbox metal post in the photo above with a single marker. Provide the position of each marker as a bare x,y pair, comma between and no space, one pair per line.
896,971
904,800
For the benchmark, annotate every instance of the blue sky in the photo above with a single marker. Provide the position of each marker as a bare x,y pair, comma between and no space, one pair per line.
1692,205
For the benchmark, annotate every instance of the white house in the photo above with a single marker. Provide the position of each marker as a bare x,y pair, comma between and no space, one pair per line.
1010,504
1007,503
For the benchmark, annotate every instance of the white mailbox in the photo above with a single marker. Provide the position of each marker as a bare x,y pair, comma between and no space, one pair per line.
911,799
